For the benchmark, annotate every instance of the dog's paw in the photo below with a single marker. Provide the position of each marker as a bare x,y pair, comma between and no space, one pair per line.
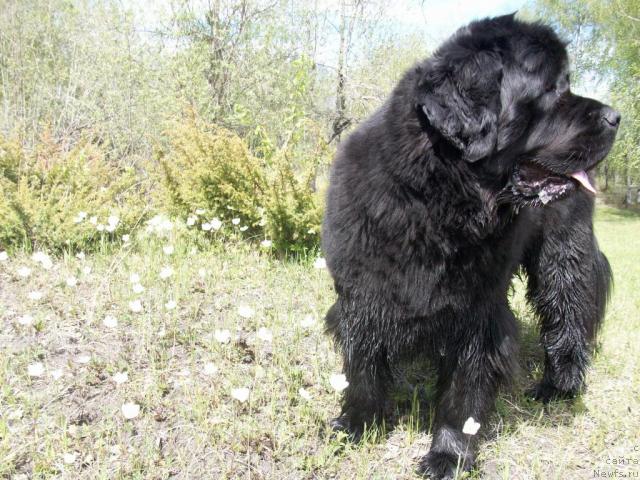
344,425
441,466
545,393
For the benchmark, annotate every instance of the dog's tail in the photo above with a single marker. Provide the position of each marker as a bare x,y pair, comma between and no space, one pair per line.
603,284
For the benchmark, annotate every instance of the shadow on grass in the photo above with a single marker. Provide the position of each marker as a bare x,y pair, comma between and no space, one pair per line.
414,399
608,213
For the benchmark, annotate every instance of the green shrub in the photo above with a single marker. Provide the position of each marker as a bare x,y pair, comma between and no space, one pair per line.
58,199
206,167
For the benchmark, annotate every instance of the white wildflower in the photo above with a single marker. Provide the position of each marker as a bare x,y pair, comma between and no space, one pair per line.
304,393
25,320
93,220
126,238
35,369
166,272
57,374
244,228
308,321
191,221
4,256
69,458
110,321
216,224
168,249
245,312
266,243
120,377
320,263
170,305
24,272
72,281
80,255
235,221
137,288
134,278
222,336
338,382
265,334
240,394
35,295
209,369
206,226
130,410
200,211
470,427
135,306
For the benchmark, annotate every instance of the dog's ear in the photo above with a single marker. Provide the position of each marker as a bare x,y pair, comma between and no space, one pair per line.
460,97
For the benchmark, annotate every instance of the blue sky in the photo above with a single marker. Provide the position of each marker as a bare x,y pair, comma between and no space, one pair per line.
440,18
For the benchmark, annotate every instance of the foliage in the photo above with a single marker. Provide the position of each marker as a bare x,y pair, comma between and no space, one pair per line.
59,199
209,168
606,49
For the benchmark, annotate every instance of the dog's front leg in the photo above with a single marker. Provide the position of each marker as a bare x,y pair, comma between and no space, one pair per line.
476,362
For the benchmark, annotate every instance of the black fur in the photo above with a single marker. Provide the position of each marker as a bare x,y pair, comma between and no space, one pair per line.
436,200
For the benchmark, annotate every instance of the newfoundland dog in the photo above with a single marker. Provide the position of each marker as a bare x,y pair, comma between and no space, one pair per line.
480,163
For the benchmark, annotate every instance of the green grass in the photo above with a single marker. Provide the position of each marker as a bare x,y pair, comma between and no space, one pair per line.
191,427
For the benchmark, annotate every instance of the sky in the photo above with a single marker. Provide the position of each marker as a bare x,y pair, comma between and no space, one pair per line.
438,19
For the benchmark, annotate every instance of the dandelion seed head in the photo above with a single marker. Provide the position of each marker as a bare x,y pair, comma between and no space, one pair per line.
241,394
35,369
338,382
110,321
130,410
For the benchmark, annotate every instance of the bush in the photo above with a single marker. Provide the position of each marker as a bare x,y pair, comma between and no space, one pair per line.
206,167
58,199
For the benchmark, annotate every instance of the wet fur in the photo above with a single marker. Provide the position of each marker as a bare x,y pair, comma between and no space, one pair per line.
423,235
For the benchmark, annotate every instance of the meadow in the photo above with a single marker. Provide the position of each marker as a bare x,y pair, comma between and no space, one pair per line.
168,356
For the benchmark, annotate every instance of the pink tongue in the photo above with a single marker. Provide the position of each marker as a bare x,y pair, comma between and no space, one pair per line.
582,177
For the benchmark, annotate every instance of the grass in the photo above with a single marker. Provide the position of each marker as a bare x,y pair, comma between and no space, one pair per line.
181,376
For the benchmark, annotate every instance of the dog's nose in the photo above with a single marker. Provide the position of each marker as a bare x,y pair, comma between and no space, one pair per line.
610,116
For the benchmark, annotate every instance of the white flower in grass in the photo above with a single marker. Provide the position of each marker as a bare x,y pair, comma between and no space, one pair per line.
25,320
200,211
80,217
262,222
120,377
110,228
241,394
71,281
113,220
235,221
137,288
24,272
311,231
110,321
83,359
100,227
470,427
166,272
80,255
168,249
93,220
320,263
126,238
69,458
35,369
202,272
57,374
222,336
130,410
245,311
191,221
265,334
338,382
216,224
43,259
4,256
86,270
206,226
266,243
304,393
244,228
308,321
170,305
209,369
135,306
134,278
35,295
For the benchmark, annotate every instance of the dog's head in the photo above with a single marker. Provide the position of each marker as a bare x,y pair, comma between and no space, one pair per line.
499,92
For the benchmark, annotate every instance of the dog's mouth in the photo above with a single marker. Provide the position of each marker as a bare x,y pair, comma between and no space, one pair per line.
537,183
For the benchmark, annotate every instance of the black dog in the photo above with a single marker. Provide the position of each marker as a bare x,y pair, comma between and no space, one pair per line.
478,164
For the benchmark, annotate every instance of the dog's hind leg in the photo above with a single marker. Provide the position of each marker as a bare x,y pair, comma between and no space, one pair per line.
365,367
568,285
